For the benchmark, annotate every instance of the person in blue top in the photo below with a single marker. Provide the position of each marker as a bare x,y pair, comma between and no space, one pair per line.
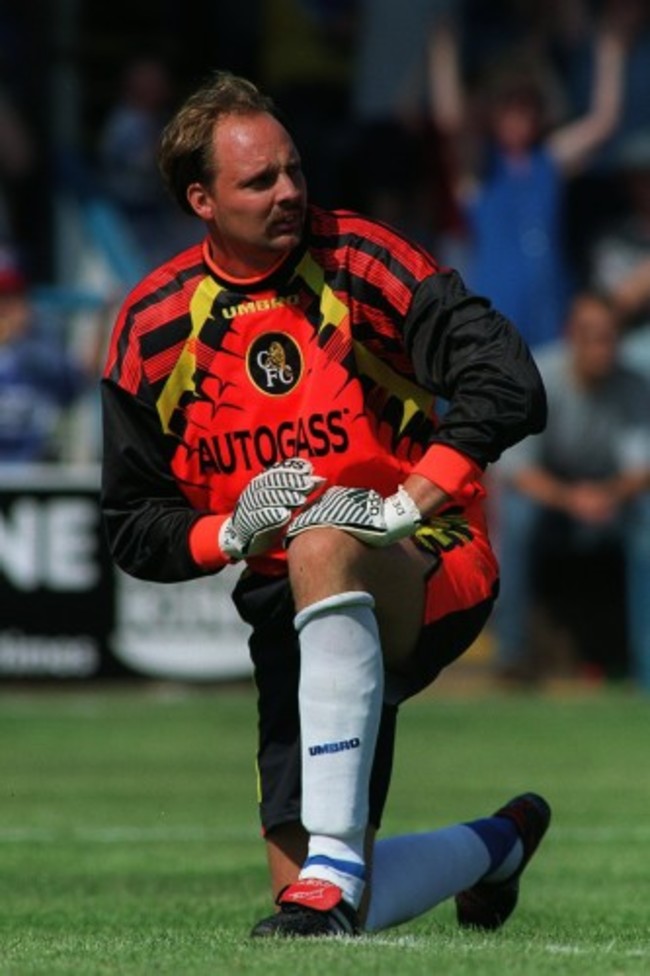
38,378
514,206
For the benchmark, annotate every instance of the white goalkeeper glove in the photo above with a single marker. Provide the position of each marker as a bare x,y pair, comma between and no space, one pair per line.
363,513
265,506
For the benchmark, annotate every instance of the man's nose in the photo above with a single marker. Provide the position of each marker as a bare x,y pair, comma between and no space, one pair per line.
288,187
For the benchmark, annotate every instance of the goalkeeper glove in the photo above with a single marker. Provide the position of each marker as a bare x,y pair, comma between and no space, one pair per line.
265,506
363,513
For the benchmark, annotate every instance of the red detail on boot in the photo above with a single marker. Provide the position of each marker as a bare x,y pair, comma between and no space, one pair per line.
312,892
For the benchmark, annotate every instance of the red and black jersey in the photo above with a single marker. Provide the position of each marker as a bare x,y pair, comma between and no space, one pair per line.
338,355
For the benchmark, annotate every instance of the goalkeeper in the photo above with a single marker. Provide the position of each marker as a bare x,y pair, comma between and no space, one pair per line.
269,399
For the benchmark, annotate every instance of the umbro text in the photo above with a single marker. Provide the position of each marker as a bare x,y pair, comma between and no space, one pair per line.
328,747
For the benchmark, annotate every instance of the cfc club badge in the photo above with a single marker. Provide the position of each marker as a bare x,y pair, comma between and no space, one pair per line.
274,363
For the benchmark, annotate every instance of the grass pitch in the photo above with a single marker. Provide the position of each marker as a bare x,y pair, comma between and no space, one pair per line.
129,841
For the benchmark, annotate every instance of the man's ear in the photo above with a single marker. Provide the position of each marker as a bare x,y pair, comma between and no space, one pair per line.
200,201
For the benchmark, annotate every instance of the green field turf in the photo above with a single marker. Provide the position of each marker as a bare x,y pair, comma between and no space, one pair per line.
129,838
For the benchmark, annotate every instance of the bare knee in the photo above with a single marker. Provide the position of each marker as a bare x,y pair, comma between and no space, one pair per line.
324,561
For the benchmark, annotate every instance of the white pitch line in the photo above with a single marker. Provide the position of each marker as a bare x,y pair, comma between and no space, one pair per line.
558,949
419,942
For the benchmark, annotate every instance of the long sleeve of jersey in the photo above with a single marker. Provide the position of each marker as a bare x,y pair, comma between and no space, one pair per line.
147,518
467,352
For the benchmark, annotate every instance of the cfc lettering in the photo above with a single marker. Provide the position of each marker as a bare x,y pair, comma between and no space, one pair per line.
315,436
273,362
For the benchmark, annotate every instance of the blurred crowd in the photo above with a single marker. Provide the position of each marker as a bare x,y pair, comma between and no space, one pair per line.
512,139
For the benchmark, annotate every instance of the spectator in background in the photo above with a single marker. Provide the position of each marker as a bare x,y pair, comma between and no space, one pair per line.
128,146
512,189
594,197
575,51
567,513
38,380
619,257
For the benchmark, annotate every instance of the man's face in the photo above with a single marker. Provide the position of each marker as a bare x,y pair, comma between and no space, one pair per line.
14,316
255,205
516,125
594,335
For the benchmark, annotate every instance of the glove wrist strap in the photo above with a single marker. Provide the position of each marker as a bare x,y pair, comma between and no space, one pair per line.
401,513
229,542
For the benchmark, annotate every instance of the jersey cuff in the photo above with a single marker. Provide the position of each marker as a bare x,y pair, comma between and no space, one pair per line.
204,544
448,469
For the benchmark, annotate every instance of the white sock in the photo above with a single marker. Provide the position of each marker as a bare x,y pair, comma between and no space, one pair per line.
340,698
414,873
339,861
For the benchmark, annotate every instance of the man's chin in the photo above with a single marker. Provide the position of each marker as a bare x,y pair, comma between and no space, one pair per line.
287,233
285,240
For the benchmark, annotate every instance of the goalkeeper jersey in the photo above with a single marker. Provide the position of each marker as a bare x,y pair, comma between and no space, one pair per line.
339,354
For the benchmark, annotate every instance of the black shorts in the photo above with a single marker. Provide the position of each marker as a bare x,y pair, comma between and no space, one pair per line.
266,604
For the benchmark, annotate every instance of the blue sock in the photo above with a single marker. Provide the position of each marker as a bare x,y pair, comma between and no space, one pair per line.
499,836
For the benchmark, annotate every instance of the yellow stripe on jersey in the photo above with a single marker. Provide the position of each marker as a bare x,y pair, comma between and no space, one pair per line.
258,781
413,398
333,310
182,378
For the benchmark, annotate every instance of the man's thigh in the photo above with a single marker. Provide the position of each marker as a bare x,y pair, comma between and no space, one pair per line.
460,589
